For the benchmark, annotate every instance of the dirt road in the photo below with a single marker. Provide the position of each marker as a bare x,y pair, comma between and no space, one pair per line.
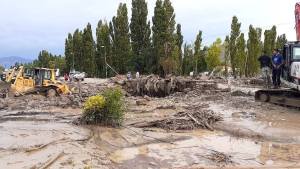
251,135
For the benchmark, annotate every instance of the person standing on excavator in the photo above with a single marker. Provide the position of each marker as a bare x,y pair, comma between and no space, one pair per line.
277,62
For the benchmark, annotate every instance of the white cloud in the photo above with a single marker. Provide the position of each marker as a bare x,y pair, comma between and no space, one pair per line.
32,25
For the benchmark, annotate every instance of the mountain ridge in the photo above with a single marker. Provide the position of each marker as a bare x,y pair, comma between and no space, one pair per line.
9,61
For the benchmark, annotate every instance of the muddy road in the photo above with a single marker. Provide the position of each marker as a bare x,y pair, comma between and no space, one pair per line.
251,134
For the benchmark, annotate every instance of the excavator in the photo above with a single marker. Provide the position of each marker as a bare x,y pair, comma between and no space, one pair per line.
290,75
20,81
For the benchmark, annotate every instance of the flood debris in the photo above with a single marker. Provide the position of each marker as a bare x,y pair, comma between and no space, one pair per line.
186,121
156,86
220,158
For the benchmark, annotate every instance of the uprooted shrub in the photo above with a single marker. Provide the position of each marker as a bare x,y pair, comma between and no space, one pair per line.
104,109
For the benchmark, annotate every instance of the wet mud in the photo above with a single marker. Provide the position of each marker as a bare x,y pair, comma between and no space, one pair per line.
251,135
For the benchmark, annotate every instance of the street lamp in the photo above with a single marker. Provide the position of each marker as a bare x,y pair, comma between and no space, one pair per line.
105,61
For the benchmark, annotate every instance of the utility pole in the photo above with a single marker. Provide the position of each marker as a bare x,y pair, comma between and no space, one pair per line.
105,61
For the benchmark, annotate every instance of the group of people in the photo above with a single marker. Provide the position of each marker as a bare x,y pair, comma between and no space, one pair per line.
274,63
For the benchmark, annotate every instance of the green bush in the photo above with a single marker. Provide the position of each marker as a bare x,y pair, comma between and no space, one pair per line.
106,109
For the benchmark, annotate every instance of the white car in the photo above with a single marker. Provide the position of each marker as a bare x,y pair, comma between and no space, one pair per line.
77,76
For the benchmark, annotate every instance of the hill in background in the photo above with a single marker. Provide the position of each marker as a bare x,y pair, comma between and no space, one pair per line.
9,61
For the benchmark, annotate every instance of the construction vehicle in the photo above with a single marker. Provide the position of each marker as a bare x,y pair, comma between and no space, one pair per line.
21,81
290,76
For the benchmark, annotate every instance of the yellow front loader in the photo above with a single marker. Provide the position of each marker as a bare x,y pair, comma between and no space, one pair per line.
35,80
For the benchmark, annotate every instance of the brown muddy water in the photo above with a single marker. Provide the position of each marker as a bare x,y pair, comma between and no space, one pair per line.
252,134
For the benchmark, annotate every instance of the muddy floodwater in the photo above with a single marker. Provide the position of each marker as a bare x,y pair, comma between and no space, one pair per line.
251,135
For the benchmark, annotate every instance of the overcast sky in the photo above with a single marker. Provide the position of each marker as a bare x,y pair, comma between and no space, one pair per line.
28,26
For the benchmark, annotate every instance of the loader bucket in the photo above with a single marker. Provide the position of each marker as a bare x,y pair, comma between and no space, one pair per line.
64,89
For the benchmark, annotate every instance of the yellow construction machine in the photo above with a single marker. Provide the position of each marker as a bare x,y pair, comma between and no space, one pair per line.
21,81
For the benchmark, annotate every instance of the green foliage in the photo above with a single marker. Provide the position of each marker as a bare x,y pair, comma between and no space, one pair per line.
281,40
254,51
78,50
106,109
200,64
241,55
214,52
270,41
179,42
88,51
69,52
227,55
114,105
94,103
103,49
140,36
188,56
163,30
48,60
119,31
170,63
235,33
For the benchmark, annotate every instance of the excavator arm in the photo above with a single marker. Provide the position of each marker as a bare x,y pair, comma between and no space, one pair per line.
297,20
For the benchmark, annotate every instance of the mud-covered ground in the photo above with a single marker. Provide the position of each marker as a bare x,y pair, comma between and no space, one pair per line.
36,132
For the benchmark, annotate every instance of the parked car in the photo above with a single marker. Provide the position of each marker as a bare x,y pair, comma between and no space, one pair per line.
77,76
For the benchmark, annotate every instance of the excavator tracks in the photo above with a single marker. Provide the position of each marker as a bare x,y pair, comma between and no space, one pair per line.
284,97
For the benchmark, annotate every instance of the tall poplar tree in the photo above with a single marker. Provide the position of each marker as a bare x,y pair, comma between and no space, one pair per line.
179,42
103,49
199,58
188,56
235,33
281,40
88,51
119,30
270,40
163,37
241,54
69,52
227,54
254,51
140,35
159,35
78,50
214,53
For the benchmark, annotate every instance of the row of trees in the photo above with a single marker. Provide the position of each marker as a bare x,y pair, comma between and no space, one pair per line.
243,55
134,46
158,48
48,60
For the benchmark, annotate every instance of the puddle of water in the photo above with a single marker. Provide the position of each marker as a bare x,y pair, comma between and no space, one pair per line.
277,153
193,150
189,151
25,134
280,124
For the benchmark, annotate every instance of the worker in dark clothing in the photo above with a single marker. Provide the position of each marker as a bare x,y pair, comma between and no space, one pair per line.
277,62
265,65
